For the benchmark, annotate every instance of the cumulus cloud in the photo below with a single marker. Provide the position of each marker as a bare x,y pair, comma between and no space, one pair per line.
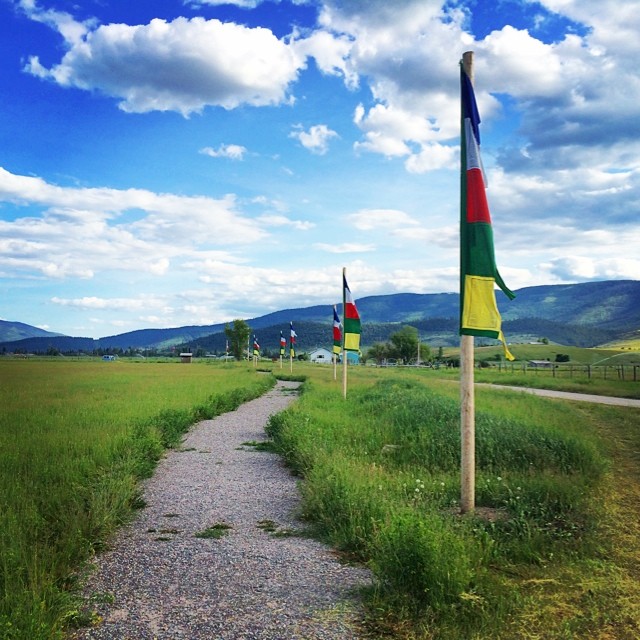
576,268
94,302
331,53
232,151
316,139
277,220
85,230
578,92
183,65
368,219
70,29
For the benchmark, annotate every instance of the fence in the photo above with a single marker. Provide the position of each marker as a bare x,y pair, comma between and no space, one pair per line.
624,372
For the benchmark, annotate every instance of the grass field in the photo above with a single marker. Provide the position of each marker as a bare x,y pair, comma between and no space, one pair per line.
75,437
598,371
553,551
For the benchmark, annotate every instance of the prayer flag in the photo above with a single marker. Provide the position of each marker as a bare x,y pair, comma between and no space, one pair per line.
337,332
479,315
292,341
352,324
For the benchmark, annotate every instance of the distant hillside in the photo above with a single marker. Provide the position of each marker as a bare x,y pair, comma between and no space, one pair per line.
586,314
613,305
10,331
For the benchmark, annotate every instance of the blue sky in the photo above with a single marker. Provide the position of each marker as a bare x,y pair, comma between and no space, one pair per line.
165,163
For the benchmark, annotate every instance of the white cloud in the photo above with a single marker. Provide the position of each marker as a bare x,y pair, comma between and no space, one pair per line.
232,151
83,231
368,219
125,304
276,220
346,247
244,4
70,29
183,65
578,268
331,53
431,157
316,139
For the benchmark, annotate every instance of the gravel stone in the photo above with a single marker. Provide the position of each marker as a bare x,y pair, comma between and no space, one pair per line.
159,581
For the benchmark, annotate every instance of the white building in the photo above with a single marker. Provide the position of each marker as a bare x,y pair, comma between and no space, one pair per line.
321,355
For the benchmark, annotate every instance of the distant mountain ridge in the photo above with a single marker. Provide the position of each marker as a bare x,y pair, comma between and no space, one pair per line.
12,331
587,314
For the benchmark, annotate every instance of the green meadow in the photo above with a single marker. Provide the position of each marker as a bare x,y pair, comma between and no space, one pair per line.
75,438
553,550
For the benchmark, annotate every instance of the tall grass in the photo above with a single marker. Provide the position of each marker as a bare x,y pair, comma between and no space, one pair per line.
75,438
382,482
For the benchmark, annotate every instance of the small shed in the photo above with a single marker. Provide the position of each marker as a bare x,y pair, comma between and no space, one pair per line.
321,355
186,357
540,364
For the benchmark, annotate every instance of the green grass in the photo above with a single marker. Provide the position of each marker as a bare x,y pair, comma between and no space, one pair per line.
75,438
577,355
549,552
553,551
214,532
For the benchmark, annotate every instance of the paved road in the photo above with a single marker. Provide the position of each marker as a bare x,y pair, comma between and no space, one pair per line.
566,395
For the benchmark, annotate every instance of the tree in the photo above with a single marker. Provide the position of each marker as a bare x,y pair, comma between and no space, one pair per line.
404,345
378,351
238,334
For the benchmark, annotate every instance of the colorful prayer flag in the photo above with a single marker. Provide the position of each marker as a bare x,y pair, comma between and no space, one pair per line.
292,341
479,315
256,346
337,332
283,344
352,324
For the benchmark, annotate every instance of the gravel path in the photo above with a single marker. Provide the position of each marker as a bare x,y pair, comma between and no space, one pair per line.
162,582
570,395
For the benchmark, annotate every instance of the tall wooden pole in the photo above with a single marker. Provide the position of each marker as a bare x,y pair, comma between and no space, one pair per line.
467,398
344,324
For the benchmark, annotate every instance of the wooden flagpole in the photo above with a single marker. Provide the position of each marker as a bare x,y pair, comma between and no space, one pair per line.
344,324
467,397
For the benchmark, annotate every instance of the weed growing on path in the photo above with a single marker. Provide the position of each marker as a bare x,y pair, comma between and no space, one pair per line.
215,531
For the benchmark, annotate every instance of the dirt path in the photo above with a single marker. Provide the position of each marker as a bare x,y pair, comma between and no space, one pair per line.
259,580
567,395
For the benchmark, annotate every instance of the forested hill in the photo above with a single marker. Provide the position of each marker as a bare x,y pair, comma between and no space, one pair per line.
585,314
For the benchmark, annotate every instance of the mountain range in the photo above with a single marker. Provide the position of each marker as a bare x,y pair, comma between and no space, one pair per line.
585,314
